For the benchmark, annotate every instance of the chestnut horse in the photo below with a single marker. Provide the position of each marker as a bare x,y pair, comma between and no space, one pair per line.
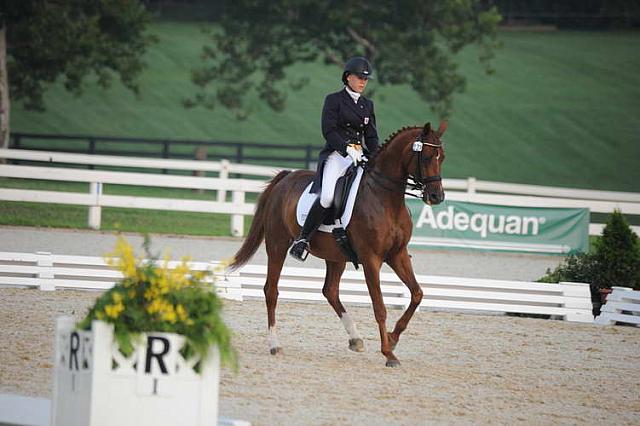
379,230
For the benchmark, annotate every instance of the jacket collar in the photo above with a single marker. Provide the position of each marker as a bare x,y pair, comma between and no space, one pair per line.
348,100
354,95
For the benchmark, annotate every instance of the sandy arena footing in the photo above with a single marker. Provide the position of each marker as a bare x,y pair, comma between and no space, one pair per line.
456,368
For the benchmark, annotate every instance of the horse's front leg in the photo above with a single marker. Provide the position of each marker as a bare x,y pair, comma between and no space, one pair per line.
372,276
401,264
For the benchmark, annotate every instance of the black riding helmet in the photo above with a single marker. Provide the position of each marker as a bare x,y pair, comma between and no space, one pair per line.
359,66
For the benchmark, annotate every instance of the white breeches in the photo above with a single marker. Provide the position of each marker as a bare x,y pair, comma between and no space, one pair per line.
334,167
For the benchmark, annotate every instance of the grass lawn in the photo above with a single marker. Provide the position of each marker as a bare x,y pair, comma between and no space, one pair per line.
130,220
133,220
562,109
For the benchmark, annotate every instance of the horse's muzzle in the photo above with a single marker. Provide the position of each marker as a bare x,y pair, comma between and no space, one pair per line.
433,196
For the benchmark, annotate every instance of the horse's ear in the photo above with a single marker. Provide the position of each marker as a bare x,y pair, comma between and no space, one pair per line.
443,127
427,129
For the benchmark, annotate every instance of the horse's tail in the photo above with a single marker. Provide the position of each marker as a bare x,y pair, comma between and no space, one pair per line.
256,233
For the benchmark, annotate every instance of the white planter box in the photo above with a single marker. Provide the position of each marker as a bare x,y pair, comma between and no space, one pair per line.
95,385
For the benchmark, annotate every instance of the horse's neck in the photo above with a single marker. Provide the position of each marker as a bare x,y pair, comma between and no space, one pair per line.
386,181
389,163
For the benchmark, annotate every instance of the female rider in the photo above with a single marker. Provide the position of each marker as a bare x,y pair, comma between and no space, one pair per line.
349,128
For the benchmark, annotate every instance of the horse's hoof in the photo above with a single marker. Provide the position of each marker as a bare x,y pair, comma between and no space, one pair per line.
393,363
356,345
277,351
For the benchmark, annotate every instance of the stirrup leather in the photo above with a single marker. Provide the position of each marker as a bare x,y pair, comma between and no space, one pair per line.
300,249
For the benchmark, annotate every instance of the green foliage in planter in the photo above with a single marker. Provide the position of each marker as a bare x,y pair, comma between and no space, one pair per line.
615,261
153,298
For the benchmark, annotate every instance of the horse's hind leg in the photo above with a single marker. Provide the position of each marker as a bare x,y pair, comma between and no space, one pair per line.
331,291
401,264
274,268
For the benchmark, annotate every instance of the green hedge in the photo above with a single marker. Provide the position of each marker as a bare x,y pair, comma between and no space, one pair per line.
614,262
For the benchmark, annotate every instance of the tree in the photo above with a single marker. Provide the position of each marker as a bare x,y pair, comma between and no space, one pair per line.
409,42
618,255
42,41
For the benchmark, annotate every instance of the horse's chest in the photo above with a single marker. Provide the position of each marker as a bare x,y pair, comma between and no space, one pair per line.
384,229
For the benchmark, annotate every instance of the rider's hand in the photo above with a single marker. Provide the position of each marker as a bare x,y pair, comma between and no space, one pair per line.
354,153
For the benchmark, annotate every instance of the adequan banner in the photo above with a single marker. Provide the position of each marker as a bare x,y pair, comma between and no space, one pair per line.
490,227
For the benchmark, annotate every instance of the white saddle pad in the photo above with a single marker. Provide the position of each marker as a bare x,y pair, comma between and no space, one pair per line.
306,201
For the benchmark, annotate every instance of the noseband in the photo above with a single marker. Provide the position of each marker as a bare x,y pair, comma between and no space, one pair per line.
415,181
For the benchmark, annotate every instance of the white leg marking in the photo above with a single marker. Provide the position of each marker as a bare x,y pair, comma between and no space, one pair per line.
350,326
273,338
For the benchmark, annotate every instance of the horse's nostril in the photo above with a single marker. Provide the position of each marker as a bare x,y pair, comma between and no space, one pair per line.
436,197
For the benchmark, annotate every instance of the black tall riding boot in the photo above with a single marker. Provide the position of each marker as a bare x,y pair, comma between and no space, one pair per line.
312,222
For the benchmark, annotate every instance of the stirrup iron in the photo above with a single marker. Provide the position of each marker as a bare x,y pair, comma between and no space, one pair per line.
300,253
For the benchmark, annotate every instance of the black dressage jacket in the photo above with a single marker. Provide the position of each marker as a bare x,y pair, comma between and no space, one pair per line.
345,122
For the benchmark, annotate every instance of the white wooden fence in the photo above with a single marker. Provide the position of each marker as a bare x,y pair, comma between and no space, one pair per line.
570,301
96,199
470,189
48,271
623,305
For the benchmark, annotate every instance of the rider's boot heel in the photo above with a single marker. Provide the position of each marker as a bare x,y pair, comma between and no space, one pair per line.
300,248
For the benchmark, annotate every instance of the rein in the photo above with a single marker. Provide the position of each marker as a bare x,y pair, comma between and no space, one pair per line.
381,179
414,181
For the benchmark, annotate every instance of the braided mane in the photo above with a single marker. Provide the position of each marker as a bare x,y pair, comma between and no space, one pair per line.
387,141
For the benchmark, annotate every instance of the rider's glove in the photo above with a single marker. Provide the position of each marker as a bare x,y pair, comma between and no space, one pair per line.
354,153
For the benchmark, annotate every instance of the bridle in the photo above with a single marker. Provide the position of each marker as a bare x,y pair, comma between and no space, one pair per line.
415,181
419,181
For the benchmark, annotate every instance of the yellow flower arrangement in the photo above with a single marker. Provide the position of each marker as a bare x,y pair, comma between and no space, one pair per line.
154,297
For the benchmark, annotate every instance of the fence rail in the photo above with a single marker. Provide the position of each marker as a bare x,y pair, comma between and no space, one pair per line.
470,189
297,156
569,301
623,305
96,199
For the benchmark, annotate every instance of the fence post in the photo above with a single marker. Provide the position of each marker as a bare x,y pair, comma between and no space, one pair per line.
200,155
239,154
307,160
95,211
92,150
224,174
92,145
471,185
45,272
237,220
165,154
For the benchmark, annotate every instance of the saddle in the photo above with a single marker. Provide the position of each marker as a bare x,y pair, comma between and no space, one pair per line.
343,187
338,216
